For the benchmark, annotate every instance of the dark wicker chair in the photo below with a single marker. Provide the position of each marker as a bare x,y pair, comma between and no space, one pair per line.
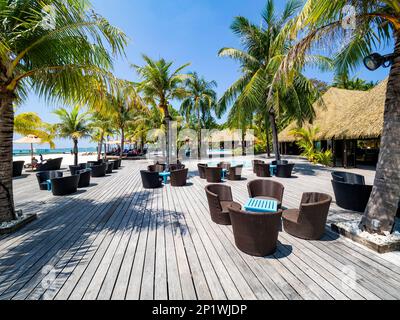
94,163
110,167
266,189
256,234
213,175
309,221
262,170
115,164
42,178
176,166
350,190
284,170
151,180
74,169
219,200
18,166
202,170
255,162
275,163
84,178
156,168
99,171
50,165
65,186
235,173
179,177
348,177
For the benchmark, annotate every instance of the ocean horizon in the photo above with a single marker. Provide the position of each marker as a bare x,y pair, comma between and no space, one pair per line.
37,151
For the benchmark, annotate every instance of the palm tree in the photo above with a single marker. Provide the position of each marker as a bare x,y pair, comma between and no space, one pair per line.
73,125
343,81
201,99
101,127
377,22
159,86
123,106
258,88
29,123
53,48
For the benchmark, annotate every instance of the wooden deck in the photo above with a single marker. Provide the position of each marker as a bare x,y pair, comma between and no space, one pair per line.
116,240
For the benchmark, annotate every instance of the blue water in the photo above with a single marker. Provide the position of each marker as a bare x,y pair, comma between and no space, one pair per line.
37,151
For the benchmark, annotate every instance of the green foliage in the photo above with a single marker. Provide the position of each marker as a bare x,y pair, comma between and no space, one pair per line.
306,144
30,123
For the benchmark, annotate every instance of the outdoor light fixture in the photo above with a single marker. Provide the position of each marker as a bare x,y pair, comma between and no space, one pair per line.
375,61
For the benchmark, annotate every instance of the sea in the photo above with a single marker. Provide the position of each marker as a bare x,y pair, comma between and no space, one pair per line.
37,151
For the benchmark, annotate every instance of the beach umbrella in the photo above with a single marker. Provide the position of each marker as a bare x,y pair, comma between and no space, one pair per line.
30,139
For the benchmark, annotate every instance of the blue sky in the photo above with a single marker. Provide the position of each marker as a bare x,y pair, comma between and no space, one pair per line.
182,31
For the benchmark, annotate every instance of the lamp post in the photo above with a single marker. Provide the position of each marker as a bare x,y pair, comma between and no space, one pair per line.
375,61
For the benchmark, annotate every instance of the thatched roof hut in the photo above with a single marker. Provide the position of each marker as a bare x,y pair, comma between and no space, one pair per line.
346,114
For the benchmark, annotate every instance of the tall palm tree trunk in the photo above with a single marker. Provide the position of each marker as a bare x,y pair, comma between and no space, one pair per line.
76,150
272,120
267,136
6,147
122,142
199,135
100,147
167,120
381,210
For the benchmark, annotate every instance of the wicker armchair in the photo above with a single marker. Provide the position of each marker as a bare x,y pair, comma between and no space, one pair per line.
202,170
256,234
50,165
179,177
255,162
266,189
309,221
99,170
219,200
43,177
151,180
213,175
263,170
65,185
284,170
235,173
18,166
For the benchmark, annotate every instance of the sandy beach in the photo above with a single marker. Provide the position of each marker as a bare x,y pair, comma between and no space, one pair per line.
68,159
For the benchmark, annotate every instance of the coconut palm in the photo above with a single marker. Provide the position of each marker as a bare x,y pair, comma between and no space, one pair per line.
160,85
100,127
123,107
264,49
322,21
201,100
52,48
29,123
344,81
73,125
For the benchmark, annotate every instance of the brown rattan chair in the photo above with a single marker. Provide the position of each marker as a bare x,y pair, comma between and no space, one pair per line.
309,221
263,170
235,173
179,177
266,189
219,200
202,170
256,234
156,168
176,166
213,175
255,162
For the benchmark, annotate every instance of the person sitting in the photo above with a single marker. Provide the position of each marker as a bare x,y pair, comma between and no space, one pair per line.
35,163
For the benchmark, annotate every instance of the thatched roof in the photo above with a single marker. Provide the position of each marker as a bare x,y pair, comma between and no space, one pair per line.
346,114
